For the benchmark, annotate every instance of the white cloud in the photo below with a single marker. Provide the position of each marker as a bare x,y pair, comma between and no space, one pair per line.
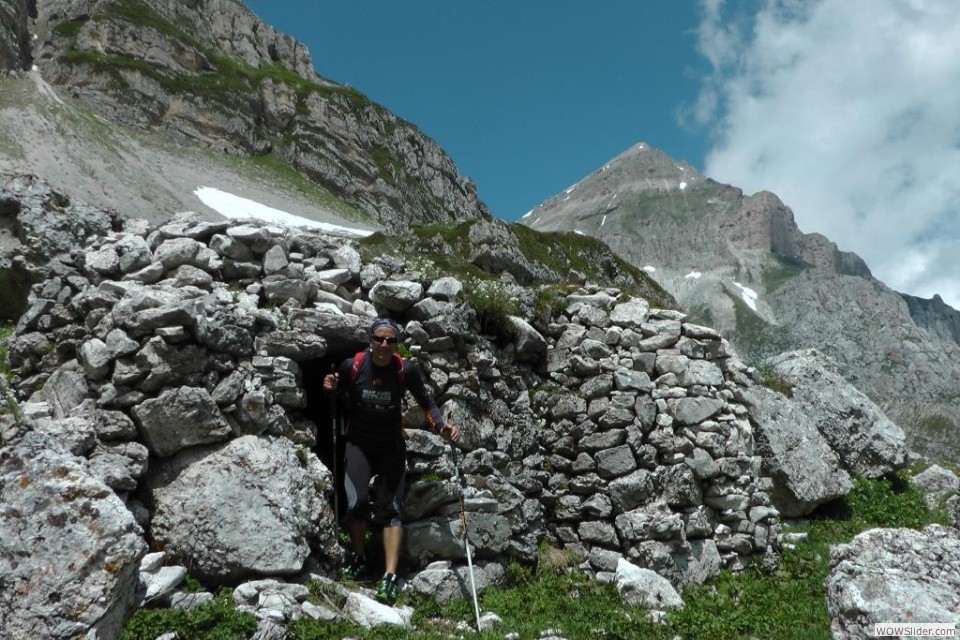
849,110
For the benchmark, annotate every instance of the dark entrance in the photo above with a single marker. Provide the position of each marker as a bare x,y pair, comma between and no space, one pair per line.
320,407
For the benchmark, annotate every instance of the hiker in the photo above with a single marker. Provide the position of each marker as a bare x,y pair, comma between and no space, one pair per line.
374,382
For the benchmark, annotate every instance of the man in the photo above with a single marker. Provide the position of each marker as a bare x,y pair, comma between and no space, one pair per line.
374,382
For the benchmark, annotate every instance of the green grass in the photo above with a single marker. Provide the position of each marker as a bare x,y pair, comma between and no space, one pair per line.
492,303
8,404
216,620
774,277
229,74
6,330
938,424
559,252
787,602
282,173
772,380
755,338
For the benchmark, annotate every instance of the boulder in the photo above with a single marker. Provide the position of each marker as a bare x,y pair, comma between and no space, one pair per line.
894,575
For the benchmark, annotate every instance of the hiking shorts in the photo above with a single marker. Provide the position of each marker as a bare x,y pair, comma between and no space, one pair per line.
389,463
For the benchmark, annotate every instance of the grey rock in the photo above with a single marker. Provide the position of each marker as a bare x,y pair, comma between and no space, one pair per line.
867,442
180,418
396,295
873,579
215,507
643,587
805,469
83,525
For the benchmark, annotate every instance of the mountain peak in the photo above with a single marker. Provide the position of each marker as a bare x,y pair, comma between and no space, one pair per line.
640,169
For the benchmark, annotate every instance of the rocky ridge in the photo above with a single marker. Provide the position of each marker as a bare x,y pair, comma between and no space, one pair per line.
739,263
211,75
174,369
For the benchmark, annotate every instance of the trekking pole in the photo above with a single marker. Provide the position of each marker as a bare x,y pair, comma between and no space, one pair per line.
333,424
463,527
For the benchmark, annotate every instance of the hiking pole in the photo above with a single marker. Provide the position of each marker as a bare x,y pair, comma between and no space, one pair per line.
333,424
463,527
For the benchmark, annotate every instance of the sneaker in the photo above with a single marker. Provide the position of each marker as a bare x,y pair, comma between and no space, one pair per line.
354,567
388,589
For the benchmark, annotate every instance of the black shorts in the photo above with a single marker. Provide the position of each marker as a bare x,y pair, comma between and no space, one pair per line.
361,463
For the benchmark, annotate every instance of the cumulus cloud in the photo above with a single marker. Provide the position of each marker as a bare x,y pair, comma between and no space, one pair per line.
849,110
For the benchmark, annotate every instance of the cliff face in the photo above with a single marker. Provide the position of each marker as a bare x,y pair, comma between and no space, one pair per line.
15,33
210,74
935,315
741,264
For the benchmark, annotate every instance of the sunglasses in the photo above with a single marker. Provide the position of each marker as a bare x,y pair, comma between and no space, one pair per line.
383,340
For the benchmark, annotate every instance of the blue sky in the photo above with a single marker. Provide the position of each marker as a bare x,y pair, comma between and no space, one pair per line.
849,110
526,96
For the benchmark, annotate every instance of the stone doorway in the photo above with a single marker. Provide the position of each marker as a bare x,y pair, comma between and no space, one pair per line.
323,410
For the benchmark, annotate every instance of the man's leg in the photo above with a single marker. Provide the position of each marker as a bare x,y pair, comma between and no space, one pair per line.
389,501
392,537
358,533
356,483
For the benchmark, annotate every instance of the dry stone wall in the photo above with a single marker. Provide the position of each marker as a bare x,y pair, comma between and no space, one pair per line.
627,439
177,370
179,365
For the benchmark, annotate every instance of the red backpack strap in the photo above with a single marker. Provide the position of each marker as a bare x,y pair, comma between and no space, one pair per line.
399,362
357,361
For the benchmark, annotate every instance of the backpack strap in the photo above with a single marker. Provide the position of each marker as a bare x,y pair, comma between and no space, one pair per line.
399,362
358,362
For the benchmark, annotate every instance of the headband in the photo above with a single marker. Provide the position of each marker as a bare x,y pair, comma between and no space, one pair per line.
384,322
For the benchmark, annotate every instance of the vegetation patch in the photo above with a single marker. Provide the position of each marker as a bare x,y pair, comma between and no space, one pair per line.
6,330
757,339
447,246
216,620
388,167
493,305
938,424
775,382
784,269
292,180
549,301
70,28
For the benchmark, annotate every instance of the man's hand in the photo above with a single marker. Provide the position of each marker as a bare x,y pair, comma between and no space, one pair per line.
450,432
331,381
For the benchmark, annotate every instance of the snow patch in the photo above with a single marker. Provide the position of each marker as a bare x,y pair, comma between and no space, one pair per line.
694,275
749,295
683,185
649,269
577,231
604,221
237,208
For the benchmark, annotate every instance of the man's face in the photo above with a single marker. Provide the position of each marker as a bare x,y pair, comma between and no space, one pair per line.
383,342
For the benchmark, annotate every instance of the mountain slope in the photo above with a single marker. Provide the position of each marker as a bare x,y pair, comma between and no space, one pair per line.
208,74
140,173
740,263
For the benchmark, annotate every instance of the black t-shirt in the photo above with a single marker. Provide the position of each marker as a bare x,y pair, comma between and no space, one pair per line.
374,411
